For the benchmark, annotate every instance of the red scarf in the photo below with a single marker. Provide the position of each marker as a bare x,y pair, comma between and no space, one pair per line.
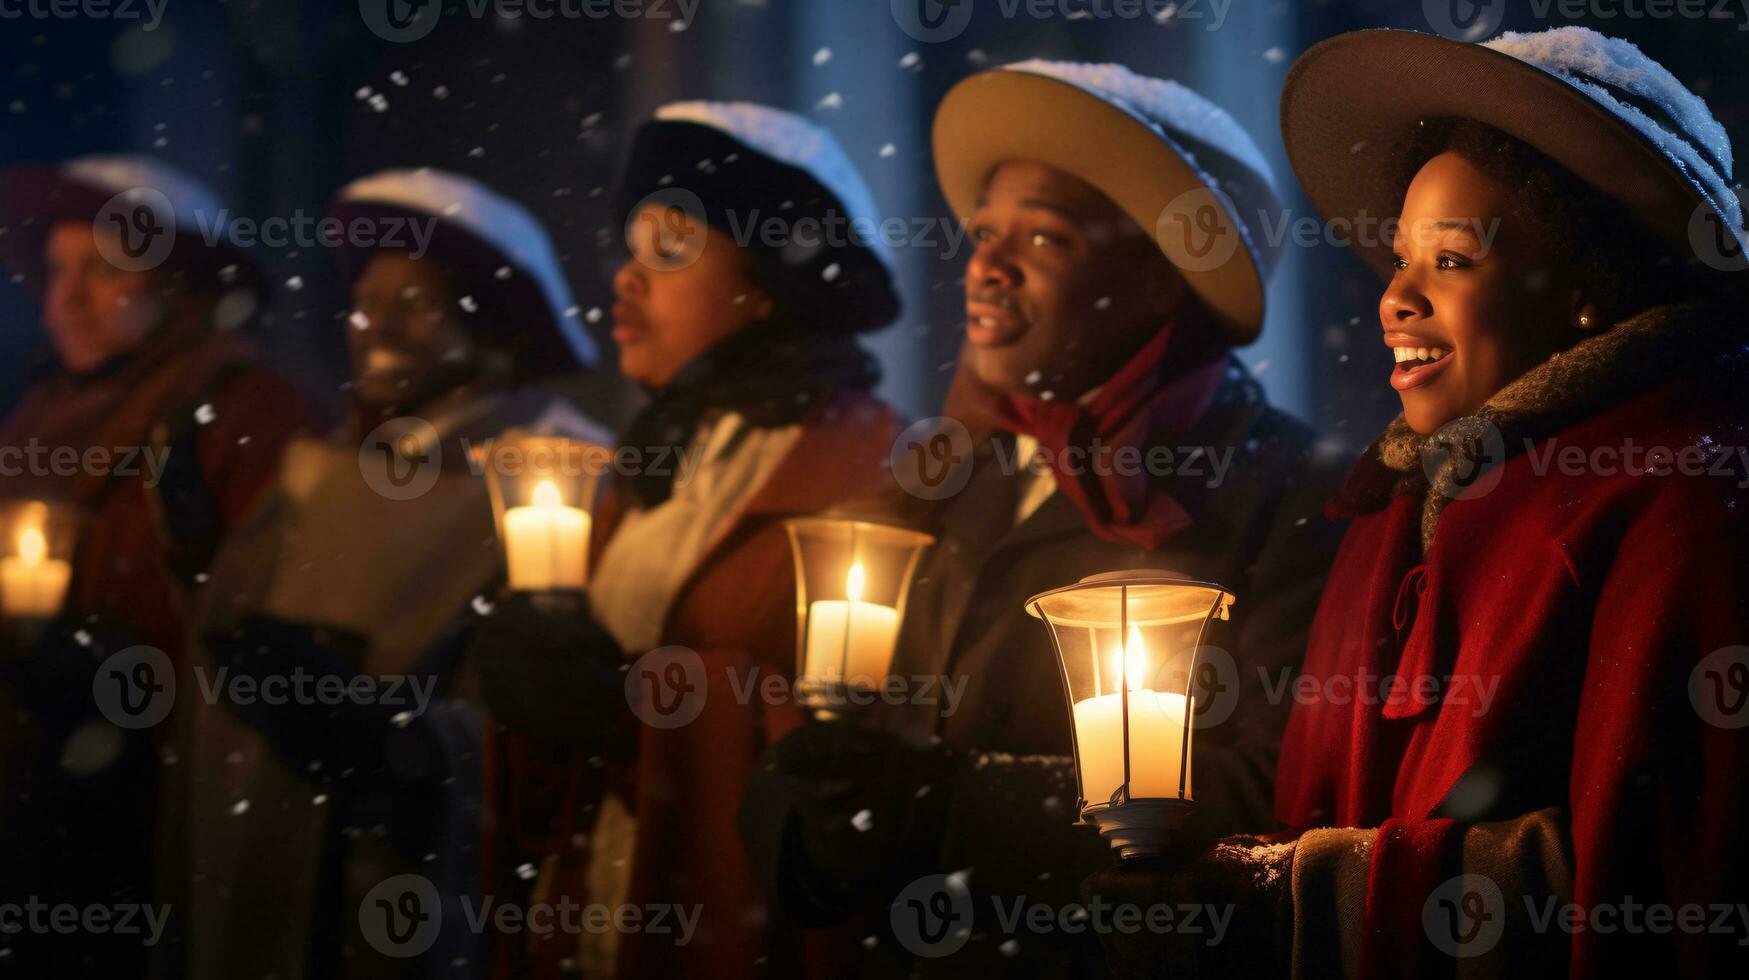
1150,398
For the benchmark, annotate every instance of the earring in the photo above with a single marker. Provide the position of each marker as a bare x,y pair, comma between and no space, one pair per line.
1585,321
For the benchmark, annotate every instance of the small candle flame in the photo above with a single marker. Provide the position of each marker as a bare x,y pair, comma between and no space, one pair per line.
32,547
1135,657
853,582
546,494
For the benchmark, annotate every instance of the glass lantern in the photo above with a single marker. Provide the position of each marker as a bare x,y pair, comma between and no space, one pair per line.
37,539
852,577
1127,644
543,490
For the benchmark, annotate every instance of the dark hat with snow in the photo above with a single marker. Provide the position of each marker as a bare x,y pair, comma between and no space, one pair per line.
163,219
784,189
496,251
1594,104
1176,163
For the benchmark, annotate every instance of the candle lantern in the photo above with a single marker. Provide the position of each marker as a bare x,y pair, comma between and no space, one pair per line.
1127,645
36,558
852,577
543,489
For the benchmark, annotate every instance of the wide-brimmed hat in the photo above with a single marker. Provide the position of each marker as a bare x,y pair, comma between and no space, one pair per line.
1177,164
493,247
168,220
744,166
1597,105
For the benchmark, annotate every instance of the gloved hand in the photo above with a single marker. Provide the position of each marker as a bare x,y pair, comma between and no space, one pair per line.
834,810
50,667
548,670
1228,912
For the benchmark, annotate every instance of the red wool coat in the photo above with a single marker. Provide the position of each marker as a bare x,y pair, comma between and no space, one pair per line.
1571,619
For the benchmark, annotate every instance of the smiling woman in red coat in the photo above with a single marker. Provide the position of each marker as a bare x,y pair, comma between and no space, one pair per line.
747,346
1518,746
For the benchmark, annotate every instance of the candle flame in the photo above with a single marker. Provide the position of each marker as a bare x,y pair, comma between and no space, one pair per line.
32,548
1134,656
853,582
546,494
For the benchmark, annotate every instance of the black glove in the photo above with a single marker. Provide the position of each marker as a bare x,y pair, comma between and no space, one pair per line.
835,812
376,754
550,671
1231,913
51,668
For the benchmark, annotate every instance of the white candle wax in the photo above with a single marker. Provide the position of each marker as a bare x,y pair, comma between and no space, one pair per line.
1157,736
874,629
32,585
546,543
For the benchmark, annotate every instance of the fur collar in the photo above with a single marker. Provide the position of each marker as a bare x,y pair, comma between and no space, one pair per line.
1599,372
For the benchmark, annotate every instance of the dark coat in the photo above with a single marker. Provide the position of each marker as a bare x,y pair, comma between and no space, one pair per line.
1008,808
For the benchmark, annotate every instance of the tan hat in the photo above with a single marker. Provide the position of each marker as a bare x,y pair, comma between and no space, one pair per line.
1175,163
1597,105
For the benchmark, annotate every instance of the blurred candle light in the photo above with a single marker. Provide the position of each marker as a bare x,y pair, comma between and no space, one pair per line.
33,585
546,543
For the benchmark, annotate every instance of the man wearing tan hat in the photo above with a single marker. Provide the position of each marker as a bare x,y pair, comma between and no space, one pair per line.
1100,423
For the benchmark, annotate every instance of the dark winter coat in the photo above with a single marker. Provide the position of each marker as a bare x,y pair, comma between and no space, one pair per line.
1003,807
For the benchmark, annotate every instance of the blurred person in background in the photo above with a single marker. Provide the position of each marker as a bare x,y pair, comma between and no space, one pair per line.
361,569
149,383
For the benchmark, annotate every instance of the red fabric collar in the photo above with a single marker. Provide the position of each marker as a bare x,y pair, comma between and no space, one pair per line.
1150,397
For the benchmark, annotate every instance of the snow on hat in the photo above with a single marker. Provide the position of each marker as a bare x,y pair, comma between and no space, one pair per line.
486,241
1177,164
1597,105
745,164
143,198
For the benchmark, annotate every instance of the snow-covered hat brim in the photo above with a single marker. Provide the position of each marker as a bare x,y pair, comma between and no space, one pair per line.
35,198
1349,100
1151,174
486,242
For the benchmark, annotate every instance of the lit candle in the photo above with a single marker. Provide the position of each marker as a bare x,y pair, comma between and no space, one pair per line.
1157,736
851,640
546,543
33,585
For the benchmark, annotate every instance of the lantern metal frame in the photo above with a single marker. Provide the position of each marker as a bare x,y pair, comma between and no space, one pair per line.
1137,827
827,700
